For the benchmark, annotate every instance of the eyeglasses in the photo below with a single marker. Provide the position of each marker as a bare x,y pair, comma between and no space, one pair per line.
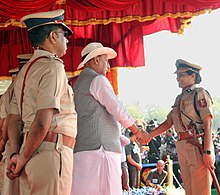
181,74
65,33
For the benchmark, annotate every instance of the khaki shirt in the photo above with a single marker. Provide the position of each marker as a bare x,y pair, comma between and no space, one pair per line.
6,99
186,99
46,86
2,110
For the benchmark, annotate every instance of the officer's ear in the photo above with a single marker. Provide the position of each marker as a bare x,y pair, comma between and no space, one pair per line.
192,75
52,36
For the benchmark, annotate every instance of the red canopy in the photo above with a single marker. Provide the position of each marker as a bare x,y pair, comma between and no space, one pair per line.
120,24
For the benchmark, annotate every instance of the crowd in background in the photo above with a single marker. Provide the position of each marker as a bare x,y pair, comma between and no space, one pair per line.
156,150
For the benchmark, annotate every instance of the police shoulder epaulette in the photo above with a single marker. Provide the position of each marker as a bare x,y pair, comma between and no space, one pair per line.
58,59
199,89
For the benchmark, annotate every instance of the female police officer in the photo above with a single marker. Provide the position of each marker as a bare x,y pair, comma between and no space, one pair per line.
191,115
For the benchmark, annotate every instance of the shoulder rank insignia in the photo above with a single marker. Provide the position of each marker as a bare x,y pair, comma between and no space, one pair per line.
202,103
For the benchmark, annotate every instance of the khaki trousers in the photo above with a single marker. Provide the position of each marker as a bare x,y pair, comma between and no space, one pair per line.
10,187
49,171
196,177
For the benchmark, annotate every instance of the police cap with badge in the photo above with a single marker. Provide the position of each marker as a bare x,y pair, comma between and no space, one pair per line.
184,66
46,18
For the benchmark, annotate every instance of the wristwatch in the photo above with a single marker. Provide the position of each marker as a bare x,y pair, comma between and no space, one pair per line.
206,152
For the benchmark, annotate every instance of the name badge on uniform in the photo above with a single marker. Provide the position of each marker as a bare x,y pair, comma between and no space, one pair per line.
136,149
154,181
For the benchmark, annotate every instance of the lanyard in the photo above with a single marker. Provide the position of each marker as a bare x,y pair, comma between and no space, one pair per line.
179,114
25,76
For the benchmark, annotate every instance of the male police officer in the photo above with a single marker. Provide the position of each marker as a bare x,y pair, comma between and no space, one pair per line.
43,100
191,115
10,187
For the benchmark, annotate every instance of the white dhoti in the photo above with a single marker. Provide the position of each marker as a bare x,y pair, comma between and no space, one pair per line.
97,172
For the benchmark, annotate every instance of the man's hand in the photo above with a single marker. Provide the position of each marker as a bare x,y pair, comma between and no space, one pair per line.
142,137
15,166
10,173
139,167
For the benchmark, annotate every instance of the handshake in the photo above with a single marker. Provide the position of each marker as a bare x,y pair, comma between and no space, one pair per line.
142,136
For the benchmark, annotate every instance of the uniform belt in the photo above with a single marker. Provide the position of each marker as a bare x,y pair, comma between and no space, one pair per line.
184,136
53,137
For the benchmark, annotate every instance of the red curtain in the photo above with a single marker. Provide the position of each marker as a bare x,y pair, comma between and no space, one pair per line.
12,43
126,39
198,3
84,12
18,8
101,5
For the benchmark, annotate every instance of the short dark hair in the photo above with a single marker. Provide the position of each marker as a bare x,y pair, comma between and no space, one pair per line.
198,78
39,34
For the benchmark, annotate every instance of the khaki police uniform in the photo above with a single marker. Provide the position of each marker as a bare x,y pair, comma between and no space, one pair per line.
2,109
10,187
196,177
50,169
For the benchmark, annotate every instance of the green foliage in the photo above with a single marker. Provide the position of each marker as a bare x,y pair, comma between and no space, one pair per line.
136,111
216,112
148,112
155,112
